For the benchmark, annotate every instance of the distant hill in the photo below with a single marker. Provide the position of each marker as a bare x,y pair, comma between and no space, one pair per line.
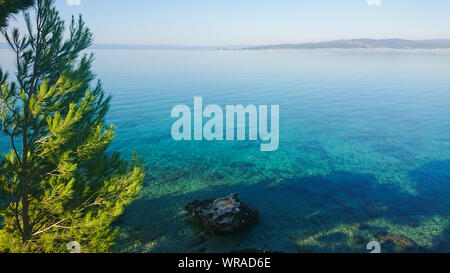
338,44
363,44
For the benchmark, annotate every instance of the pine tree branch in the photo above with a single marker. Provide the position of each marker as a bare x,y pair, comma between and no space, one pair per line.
57,224
14,146
41,140
16,212
50,227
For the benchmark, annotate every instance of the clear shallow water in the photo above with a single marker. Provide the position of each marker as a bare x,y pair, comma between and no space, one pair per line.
364,147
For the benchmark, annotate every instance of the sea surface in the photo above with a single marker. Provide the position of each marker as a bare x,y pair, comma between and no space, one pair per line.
364,149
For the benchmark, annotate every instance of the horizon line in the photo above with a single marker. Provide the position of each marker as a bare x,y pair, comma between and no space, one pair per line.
259,44
233,46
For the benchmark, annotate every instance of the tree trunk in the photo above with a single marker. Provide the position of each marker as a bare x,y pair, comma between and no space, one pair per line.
26,231
26,235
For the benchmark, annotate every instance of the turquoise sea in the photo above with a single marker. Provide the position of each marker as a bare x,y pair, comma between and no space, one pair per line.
364,147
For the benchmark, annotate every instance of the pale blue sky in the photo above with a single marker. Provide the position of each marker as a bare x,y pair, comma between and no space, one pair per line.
252,22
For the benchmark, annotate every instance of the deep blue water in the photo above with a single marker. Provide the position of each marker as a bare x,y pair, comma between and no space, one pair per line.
364,146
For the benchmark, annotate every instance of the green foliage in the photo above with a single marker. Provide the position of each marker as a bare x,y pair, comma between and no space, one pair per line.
58,184
8,7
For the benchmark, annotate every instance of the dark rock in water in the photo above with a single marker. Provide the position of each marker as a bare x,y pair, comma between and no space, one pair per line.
213,176
224,215
364,226
357,239
143,234
196,242
170,174
241,165
402,243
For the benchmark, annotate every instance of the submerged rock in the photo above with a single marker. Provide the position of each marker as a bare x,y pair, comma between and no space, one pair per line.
224,215
402,243
143,233
358,239
213,176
